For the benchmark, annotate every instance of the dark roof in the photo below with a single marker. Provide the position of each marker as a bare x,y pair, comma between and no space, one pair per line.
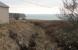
3,5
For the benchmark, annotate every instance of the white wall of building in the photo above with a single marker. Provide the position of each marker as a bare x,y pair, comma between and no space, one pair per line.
4,15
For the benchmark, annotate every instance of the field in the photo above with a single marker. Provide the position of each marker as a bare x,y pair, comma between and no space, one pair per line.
30,35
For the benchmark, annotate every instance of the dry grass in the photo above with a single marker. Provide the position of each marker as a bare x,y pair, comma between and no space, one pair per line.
6,43
24,31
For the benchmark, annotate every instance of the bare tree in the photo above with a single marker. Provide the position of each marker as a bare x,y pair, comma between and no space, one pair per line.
70,11
68,37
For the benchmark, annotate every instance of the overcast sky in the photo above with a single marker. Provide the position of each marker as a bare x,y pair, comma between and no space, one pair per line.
34,6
